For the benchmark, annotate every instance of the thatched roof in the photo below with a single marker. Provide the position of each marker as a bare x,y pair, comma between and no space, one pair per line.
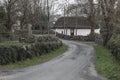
73,22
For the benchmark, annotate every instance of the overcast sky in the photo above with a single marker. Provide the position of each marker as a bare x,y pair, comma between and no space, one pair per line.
61,3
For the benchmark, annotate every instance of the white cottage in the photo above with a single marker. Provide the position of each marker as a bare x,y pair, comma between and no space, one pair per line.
74,26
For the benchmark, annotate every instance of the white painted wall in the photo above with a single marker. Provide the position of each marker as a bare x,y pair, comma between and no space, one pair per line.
83,32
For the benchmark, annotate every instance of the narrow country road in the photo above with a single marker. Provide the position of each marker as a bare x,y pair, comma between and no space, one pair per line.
75,64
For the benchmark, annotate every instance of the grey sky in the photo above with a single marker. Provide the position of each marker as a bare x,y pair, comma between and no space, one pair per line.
60,4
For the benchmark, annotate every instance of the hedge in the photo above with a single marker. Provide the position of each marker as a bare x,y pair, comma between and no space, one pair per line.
114,44
15,53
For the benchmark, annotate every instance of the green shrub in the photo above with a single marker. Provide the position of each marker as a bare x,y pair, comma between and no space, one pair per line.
114,44
13,53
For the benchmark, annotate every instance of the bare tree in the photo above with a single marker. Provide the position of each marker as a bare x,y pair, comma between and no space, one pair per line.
10,8
108,13
91,16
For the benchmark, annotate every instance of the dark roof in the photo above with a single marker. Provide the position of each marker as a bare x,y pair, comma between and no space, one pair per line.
73,22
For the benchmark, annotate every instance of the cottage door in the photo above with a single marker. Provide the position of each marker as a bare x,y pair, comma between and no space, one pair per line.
72,32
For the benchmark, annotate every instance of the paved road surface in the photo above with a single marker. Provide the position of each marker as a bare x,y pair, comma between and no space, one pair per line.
75,64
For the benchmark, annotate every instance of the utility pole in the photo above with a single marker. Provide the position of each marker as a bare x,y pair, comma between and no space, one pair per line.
67,5
48,14
64,19
76,21
91,18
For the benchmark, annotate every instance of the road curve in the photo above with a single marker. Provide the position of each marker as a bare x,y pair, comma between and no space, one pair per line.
75,64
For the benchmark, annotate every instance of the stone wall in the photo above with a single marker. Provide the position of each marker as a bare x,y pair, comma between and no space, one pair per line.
42,32
34,39
5,36
77,38
98,39
20,33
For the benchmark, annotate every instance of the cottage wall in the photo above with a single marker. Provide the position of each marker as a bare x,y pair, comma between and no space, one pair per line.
82,32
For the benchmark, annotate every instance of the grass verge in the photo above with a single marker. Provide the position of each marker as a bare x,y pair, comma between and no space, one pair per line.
106,64
37,60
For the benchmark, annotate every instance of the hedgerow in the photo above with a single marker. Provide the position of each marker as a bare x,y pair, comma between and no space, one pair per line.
15,53
114,44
